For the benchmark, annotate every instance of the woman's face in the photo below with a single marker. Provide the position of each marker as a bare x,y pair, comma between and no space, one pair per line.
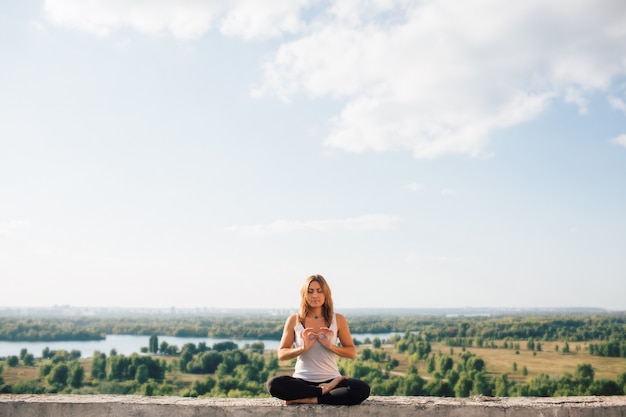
315,295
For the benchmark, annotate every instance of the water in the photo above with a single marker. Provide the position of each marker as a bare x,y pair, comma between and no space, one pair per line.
128,344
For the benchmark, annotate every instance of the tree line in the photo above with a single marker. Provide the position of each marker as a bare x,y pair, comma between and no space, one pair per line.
573,327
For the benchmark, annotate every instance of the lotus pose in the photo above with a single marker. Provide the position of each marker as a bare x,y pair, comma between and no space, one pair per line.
311,335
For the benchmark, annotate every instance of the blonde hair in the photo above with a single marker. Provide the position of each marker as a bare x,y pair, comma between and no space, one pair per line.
327,308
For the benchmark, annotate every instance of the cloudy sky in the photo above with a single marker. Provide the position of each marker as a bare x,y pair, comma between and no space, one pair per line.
214,153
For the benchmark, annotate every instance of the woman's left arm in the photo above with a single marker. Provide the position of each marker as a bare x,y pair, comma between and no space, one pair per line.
347,348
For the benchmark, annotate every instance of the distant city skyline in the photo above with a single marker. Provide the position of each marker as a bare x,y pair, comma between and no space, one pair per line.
214,154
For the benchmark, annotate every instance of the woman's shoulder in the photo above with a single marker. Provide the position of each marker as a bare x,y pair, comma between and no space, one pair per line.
292,320
340,318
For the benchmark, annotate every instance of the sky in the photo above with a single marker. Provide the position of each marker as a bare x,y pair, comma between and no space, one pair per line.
418,154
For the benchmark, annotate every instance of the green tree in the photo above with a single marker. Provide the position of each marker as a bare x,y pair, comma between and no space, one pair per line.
437,387
98,365
605,387
141,375
376,343
621,381
76,374
541,386
224,346
203,387
221,371
584,375
481,385
445,363
463,387
153,345
475,363
44,369
423,349
29,359
257,347
502,386
117,368
59,356
430,364
209,361
46,353
412,384
273,364
58,376
12,361
185,360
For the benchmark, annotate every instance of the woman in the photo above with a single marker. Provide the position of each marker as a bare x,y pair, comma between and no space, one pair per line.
311,335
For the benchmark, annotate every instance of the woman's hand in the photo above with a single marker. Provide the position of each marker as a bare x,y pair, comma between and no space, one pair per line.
308,338
325,337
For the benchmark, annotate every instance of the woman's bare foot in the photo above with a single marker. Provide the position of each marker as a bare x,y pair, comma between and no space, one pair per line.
326,388
312,400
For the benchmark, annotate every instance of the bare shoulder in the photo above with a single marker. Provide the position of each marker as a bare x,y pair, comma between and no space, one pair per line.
341,319
291,320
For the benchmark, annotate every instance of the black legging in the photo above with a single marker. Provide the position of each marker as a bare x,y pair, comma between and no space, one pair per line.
347,392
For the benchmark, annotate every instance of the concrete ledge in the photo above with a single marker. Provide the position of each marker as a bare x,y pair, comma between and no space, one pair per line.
139,406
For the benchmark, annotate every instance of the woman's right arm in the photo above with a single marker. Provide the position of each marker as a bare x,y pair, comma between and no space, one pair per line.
286,350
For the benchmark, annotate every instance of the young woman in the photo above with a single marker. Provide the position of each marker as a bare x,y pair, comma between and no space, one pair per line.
311,336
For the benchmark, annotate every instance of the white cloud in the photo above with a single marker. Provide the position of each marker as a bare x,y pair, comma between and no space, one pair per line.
448,191
620,140
441,76
361,223
263,18
414,186
38,26
183,19
617,103
434,78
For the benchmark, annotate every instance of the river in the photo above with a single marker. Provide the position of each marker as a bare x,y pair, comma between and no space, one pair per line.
128,344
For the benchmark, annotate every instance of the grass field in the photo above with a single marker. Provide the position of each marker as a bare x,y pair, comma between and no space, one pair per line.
548,361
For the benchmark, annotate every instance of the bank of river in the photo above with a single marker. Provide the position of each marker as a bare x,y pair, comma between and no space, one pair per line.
128,344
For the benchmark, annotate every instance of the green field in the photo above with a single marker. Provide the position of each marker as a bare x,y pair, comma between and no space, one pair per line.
548,361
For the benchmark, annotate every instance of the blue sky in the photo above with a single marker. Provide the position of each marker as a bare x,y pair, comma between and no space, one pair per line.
216,153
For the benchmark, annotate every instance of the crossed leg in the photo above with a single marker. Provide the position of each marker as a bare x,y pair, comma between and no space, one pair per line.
326,388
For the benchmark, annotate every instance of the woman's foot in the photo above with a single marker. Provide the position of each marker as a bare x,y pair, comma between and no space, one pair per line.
326,388
312,400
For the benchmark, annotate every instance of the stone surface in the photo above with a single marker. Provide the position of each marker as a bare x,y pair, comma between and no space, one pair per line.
139,406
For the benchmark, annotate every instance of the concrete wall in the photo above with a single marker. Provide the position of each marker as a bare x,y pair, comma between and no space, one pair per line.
138,406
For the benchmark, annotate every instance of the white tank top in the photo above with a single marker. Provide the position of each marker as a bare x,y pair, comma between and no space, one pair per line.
317,364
